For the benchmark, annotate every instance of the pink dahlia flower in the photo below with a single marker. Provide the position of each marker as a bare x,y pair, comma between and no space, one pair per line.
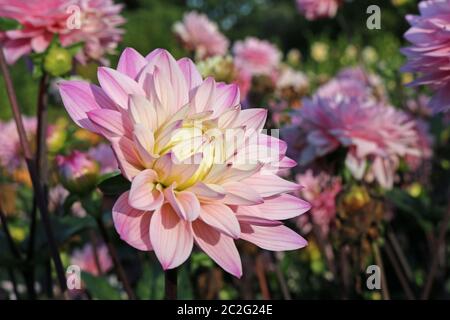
316,9
104,155
429,52
42,19
256,57
201,35
90,259
11,156
190,182
321,191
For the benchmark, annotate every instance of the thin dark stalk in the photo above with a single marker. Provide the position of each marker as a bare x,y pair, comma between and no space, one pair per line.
379,262
170,290
116,261
281,280
398,271
400,254
95,250
12,246
261,275
31,164
435,260
30,253
12,276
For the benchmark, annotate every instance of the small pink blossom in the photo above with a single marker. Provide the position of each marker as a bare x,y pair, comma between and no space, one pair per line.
104,155
89,259
429,53
321,191
256,57
316,9
199,34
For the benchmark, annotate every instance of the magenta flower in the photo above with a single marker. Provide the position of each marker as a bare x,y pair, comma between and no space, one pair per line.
321,191
104,155
429,52
316,9
40,20
190,182
11,156
78,172
201,35
90,259
256,57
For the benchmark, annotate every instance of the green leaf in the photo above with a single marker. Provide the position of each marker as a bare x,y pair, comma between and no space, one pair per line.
151,283
9,24
114,185
100,288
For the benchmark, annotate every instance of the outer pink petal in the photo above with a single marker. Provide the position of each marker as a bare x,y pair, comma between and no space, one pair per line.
226,97
207,191
268,185
132,225
252,119
204,96
185,203
282,207
127,157
143,195
219,247
190,72
118,86
222,218
241,194
274,238
112,123
131,63
171,237
80,97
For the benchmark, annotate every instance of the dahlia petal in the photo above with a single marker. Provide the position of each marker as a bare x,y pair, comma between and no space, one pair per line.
132,225
190,72
226,96
268,185
280,207
143,193
127,157
171,237
118,86
185,203
207,191
14,49
204,96
274,238
143,112
111,123
80,97
222,218
219,247
131,63
145,142
254,119
241,194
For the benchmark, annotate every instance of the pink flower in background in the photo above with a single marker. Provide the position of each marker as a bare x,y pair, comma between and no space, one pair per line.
201,35
42,19
99,29
87,260
189,182
104,155
11,156
316,9
78,172
429,52
256,57
343,116
321,191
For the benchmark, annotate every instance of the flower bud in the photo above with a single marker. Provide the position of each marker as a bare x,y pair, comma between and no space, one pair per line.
58,61
78,173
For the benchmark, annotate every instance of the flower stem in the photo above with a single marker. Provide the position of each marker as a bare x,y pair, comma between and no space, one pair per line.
32,169
170,284
115,258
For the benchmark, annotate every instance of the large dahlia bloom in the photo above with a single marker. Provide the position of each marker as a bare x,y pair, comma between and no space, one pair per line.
201,169
429,54
256,57
201,35
41,20
374,133
316,9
